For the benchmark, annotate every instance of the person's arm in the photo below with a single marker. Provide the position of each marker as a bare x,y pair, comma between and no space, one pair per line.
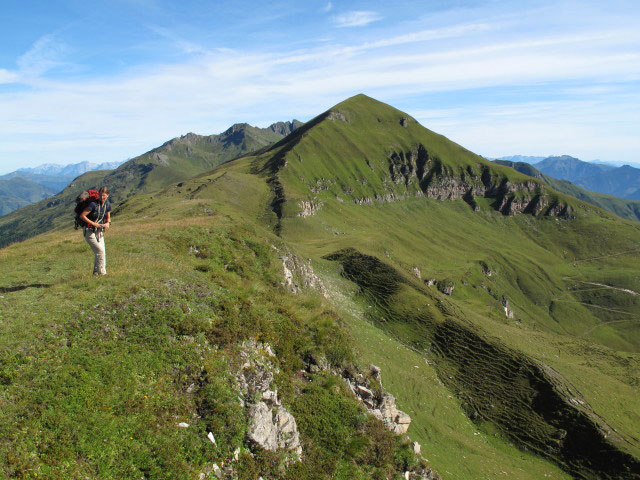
83,217
107,223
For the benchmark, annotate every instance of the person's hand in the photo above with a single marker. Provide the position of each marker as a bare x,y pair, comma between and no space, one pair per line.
107,225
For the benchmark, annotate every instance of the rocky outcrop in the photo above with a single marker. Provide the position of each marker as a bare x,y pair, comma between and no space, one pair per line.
270,424
486,269
308,208
299,274
284,128
507,308
363,201
336,115
418,170
446,287
380,404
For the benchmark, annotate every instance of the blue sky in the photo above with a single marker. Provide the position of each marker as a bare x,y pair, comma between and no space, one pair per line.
104,81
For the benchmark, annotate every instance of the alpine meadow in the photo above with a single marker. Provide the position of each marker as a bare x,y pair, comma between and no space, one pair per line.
352,297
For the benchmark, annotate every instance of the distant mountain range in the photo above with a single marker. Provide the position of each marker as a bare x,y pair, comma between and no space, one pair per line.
623,182
30,185
72,170
610,178
176,160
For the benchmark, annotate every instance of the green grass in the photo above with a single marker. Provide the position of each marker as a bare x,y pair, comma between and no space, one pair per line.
95,372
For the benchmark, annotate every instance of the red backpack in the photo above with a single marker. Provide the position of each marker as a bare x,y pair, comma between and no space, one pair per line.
82,202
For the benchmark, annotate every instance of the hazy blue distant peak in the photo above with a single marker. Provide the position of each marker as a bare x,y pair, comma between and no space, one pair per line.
615,163
72,170
623,182
521,158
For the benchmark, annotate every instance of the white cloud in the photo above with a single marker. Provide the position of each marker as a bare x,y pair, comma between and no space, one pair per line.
356,18
45,54
8,77
328,7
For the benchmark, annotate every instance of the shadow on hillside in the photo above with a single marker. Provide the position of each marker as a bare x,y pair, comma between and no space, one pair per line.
17,288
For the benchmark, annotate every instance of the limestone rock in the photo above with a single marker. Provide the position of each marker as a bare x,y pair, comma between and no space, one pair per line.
416,272
363,201
395,420
507,308
270,424
308,208
446,287
375,372
299,274
335,115
381,405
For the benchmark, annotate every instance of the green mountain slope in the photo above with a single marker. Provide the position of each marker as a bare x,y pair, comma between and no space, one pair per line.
18,192
628,209
177,159
367,177
504,316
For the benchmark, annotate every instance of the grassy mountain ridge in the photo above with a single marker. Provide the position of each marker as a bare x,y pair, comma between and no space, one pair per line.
629,209
527,396
177,159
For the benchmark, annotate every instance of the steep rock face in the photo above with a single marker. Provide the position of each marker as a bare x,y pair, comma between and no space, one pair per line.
284,128
417,167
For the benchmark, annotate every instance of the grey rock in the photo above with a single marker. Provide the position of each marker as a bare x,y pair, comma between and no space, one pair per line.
308,208
335,115
416,448
270,424
273,427
508,311
299,274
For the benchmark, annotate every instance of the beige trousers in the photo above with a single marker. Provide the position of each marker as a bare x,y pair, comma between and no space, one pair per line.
96,242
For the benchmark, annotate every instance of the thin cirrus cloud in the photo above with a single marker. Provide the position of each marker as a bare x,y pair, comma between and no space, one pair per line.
45,54
356,18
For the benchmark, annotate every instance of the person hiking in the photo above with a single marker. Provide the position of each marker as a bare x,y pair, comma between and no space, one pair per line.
97,217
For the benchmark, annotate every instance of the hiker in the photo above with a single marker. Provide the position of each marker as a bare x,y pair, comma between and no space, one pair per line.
97,217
